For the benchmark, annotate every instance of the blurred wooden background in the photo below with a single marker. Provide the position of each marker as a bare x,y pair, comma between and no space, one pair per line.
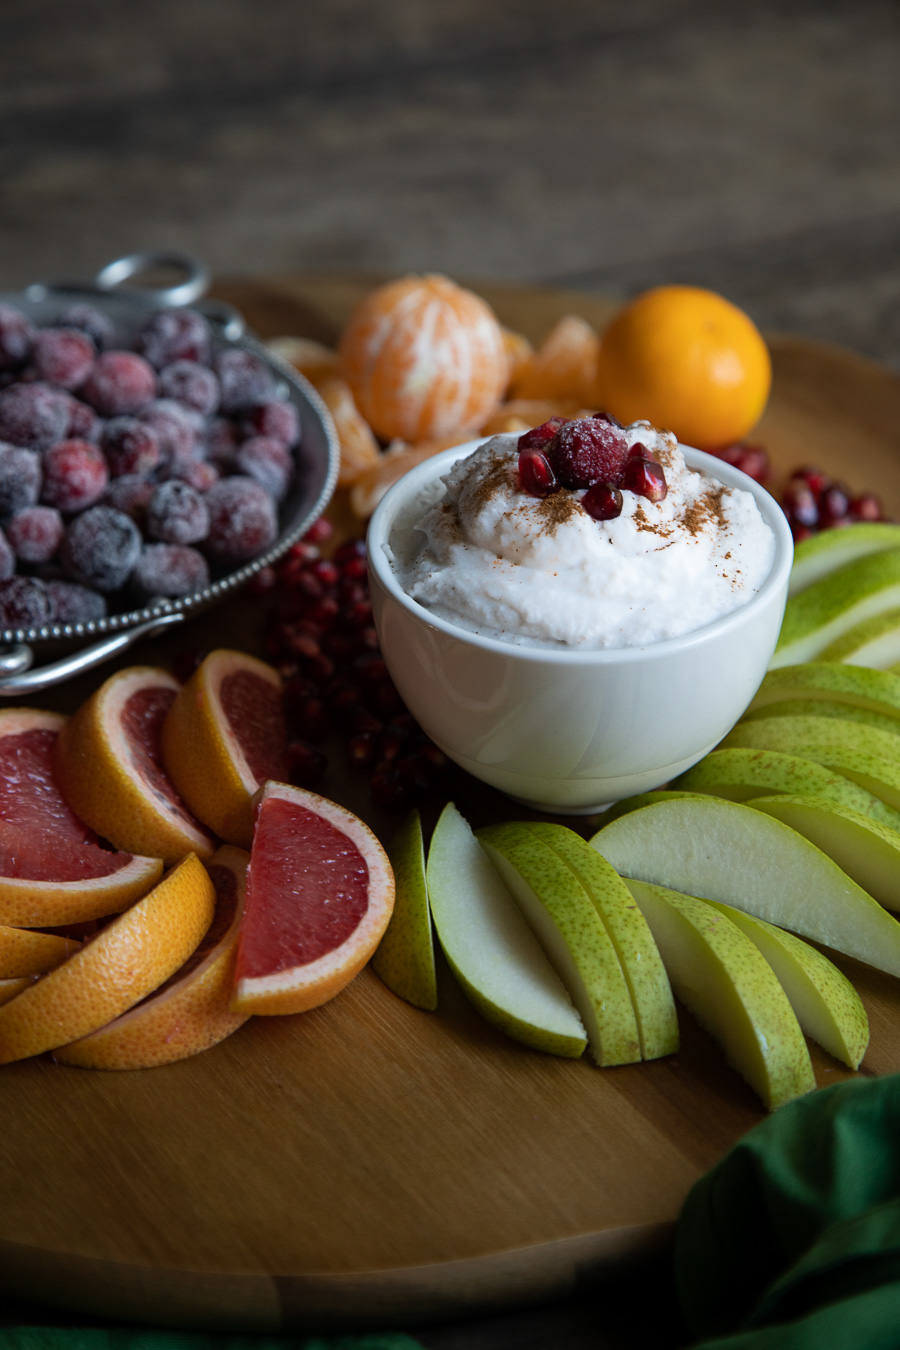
750,147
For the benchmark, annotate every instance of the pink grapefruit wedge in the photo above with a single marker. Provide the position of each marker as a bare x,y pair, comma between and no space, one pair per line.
319,897
53,868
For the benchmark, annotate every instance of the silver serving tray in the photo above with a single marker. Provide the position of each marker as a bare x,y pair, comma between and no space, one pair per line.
67,649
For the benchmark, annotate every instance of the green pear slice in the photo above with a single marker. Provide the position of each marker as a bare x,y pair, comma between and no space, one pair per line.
866,851
874,643
862,753
820,707
722,850
829,682
645,974
827,608
740,774
404,959
490,948
621,808
824,1001
572,933
729,986
826,552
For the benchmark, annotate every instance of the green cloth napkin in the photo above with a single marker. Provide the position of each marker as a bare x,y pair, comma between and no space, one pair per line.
126,1338
793,1240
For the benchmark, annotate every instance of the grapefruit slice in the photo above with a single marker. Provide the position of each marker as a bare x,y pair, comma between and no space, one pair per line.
110,770
127,959
53,869
319,897
9,988
23,952
223,737
190,1012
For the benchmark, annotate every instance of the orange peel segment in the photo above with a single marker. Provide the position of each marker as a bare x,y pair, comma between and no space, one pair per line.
128,958
190,1012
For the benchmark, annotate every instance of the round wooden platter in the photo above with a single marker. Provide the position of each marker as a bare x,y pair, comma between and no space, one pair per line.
367,1163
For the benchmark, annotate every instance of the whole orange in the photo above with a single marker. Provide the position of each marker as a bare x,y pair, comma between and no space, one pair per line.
424,357
687,360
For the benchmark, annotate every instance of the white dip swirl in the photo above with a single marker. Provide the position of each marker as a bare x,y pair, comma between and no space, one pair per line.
542,572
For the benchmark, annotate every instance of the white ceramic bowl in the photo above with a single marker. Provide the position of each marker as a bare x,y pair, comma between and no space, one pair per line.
562,730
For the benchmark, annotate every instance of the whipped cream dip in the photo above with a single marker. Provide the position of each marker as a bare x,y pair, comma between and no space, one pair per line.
492,559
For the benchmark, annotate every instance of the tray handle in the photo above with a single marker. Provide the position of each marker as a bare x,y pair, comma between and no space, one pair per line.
25,680
195,284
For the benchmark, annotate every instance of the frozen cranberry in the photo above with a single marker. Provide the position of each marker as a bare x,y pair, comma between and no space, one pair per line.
750,459
243,521
866,507
175,335
130,446
87,319
645,477
540,437
75,475
100,548
33,414
193,385
176,429
278,419
24,603
16,337
603,501
170,570
72,603
268,461
245,379
587,451
35,533
83,424
63,356
535,474
131,493
119,383
177,514
20,478
222,441
7,558
800,507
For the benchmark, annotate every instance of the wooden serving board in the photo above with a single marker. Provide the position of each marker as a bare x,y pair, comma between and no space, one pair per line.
368,1163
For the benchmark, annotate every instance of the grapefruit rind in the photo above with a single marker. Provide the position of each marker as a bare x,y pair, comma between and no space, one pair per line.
300,988
9,988
104,784
23,952
122,963
201,753
187,1016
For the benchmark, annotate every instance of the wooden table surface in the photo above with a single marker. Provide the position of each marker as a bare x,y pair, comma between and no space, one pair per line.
367,1163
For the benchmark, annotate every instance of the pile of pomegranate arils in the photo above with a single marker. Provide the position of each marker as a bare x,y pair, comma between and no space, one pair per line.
592,453
337,690
130,475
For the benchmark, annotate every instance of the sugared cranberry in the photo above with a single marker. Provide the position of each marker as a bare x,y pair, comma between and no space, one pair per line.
603,501
197,473
175,335
83,424
170,570
131,493
176,428
539,437
98,327
278,419
535,474
130,446
800,507
222,441
268,461
33,415
750,459
16,337
75,475
191,384
7,557
645,477
586,451
322,529
100,548
72,603
177,514
244,379
63,356
20,478
120,383
35,533
24,603
243,521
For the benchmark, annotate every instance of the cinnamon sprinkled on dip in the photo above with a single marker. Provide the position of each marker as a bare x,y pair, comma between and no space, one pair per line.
542,572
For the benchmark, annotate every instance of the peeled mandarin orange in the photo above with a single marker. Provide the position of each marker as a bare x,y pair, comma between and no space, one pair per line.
520,414
23,952
190,1012
519,352
397,460
128,958
223,736
564,366
53,870
319,897
109,766
359,448
688,360
424,356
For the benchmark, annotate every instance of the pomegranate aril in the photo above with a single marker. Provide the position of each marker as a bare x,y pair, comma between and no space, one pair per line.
539,437
834,505
645,477
800,507
390,791
361,719
603,501
362,749
812,477
319,531
306,764
866,507
535,474
311,719
750,459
